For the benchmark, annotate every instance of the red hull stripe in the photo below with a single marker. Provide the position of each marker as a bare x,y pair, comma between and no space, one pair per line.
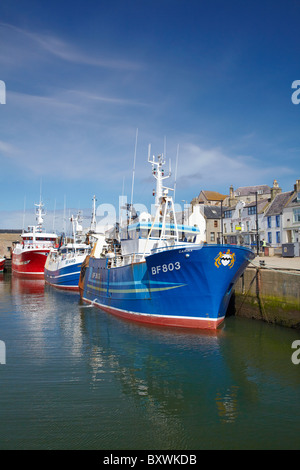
182,322
75,288
29,275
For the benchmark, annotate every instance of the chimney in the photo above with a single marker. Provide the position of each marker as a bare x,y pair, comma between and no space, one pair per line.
297,186
275,190
231,200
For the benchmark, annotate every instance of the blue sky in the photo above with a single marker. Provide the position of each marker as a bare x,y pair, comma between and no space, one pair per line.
212,78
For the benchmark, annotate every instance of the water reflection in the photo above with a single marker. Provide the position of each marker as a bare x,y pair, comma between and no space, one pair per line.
22,286
227,404
165,372
132,386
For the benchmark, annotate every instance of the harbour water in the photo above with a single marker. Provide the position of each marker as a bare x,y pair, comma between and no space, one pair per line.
75,377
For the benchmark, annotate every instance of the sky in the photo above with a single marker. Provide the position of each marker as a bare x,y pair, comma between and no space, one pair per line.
90,84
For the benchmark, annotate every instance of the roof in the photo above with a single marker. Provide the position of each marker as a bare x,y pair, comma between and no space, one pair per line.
261,204
294,200
212,212
278,203
248,190
213,195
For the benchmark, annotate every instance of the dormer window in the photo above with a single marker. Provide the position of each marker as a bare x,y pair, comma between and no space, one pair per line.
296,215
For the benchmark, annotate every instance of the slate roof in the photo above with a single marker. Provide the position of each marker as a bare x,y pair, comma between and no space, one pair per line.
261,205
278,203
294,201
212,212
249,190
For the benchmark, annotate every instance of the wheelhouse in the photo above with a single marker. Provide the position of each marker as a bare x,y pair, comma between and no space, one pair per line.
143,230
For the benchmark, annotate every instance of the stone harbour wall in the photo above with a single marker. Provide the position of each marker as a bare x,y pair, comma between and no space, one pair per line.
269,295
6,241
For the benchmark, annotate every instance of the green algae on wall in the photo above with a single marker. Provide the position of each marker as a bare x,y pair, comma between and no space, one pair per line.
268,295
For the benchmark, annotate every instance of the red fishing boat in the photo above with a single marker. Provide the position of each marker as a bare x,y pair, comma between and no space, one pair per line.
2,264
29,255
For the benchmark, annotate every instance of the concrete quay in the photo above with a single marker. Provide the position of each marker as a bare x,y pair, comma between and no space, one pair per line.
269,290
278,263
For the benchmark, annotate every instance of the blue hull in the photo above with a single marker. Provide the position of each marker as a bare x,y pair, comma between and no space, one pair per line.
64,278
187,287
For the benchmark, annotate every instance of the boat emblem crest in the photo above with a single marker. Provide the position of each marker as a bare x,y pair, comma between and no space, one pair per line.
226,259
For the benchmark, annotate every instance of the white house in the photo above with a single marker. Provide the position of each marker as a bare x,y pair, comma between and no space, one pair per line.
291,217
273,220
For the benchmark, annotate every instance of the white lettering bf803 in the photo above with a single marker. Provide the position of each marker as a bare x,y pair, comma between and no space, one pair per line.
165,268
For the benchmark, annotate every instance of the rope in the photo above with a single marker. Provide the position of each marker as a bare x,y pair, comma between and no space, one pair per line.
247,292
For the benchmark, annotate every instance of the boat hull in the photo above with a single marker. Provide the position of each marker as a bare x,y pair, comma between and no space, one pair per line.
29,263
182,287
63,276
2,264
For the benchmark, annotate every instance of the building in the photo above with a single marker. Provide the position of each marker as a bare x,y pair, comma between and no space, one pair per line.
244,216
7,238
273,219
242,223
207,218
291,217
248,194
248,215
209,198
212,216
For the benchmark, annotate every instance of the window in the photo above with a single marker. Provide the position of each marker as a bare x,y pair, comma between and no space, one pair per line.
248,226
227,214
212,236
251,210
296,213
277,237
269,237
215,223
277,220
269,222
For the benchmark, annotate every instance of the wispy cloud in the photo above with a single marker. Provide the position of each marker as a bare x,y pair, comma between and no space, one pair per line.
213,167
63,50
84,95
7,149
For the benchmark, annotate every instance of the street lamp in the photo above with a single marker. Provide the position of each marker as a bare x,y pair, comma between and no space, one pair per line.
222,241
182,232
256,223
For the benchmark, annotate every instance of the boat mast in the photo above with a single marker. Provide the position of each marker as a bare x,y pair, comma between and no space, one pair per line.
133,172
164,204
39,215
23,229
158,173
94,221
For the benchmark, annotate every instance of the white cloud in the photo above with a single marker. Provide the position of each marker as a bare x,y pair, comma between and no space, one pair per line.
57,47
7,148
212,167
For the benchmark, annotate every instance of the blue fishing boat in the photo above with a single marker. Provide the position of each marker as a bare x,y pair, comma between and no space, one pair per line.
63,264
153,270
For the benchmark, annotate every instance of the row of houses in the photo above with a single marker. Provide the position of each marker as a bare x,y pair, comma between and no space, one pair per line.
248,216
